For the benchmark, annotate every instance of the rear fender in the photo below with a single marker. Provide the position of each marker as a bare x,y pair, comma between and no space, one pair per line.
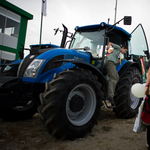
125,66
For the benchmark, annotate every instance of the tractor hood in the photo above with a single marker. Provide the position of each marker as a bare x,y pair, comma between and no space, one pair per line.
42,67
67,53
43,47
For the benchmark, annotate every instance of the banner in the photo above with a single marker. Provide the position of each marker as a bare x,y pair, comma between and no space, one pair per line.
44,6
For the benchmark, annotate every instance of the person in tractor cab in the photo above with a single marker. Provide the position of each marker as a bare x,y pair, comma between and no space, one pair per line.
111,69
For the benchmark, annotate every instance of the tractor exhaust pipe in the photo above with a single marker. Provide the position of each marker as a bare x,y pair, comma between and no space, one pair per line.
65,32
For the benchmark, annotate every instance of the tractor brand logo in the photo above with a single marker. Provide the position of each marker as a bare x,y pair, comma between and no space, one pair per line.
79,58
83,53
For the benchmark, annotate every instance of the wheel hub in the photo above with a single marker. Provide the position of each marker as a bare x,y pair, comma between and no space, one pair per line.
76,103
81,104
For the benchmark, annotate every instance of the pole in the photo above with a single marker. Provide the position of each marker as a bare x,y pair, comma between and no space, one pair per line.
115,12
43,13
41,30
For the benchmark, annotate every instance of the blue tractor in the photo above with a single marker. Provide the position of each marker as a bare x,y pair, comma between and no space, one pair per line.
69,85
72,100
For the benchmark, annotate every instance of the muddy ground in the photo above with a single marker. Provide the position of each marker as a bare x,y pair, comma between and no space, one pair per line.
111,133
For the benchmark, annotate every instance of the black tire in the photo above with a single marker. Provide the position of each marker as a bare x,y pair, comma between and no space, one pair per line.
127,104
22,112
13,73
71,108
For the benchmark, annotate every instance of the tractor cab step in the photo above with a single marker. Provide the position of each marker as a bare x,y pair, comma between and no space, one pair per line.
110,107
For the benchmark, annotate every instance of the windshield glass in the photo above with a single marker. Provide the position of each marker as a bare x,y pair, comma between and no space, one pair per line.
90,42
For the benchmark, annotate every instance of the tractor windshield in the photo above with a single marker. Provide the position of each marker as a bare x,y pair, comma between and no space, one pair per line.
89,41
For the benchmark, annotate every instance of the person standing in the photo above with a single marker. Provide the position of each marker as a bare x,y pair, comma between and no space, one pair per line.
147,92
111,69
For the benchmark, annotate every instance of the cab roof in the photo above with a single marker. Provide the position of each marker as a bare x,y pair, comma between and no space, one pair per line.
103,25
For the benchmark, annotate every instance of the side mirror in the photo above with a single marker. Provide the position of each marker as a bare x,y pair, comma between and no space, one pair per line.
127,20
56,30
147,53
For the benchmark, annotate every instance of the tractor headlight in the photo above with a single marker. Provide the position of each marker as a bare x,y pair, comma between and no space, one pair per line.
33,68
7,68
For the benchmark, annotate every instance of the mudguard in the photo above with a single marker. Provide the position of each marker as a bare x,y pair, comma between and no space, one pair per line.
125,65
85,65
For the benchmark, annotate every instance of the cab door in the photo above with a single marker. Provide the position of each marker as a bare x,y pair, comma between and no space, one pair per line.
139,48
138,41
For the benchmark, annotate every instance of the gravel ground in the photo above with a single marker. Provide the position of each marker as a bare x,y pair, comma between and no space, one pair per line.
111,133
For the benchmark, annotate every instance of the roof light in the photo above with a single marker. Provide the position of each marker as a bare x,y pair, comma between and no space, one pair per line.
102,24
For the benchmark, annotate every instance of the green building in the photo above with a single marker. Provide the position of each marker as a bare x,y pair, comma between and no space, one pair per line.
13,25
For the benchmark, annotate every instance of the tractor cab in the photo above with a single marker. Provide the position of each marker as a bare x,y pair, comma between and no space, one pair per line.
94,39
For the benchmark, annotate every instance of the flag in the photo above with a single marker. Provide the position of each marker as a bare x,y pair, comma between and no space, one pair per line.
44,5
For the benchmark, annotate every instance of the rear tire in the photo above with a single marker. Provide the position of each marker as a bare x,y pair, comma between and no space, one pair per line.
127,104
72,106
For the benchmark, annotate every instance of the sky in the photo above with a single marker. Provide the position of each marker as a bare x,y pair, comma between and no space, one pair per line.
74,13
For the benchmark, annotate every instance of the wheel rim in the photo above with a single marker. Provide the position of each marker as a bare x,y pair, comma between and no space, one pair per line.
87,94
134,101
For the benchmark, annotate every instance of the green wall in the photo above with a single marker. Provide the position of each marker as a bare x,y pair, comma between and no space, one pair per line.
25,16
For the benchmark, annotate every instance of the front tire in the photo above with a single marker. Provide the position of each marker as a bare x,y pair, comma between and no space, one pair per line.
71,104
127,104
23,111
